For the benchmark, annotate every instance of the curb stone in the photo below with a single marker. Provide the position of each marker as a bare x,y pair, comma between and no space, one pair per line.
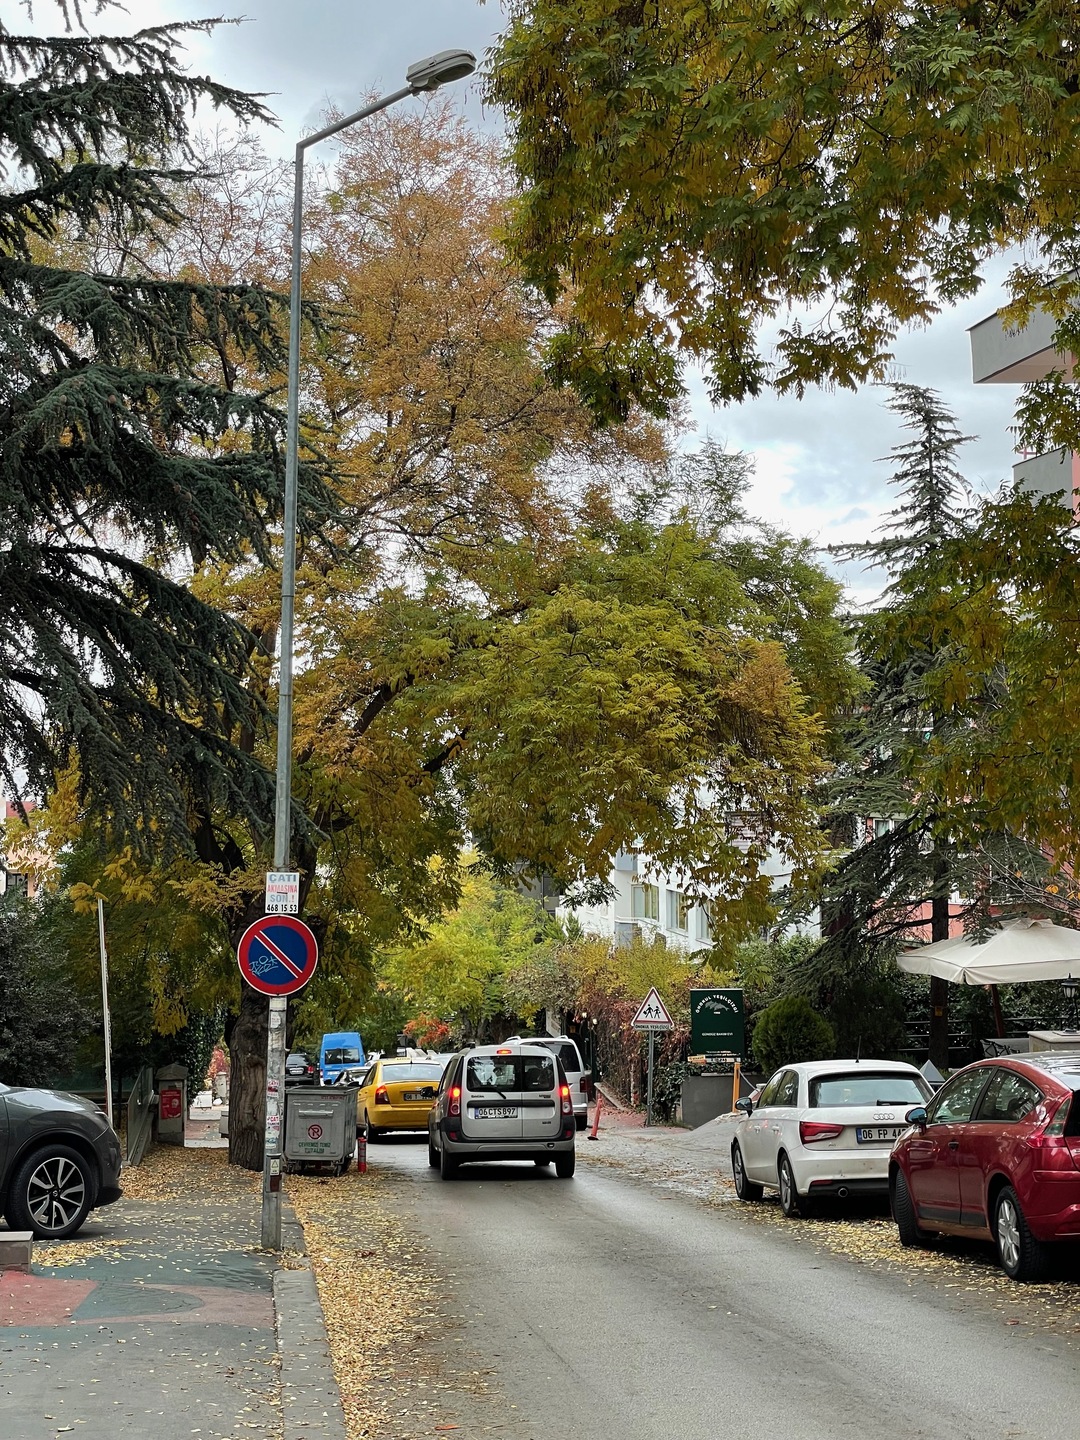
310,1399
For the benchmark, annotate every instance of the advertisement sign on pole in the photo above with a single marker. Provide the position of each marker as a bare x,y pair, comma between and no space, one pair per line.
717,1022
282,892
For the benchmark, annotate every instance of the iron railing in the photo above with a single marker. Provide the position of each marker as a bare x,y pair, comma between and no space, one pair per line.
140,1115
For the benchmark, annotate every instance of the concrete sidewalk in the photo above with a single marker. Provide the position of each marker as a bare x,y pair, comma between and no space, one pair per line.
159,1320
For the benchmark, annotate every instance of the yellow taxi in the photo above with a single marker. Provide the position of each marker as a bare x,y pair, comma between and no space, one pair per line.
396,1094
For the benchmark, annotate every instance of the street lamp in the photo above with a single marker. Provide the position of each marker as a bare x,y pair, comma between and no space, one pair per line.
425,75
1069,988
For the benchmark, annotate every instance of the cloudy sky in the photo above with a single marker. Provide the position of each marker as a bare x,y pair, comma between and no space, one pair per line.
816,459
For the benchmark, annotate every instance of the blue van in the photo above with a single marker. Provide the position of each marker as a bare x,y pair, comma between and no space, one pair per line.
341,1050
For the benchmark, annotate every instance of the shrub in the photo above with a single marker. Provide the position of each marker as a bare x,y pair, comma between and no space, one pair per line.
790,1030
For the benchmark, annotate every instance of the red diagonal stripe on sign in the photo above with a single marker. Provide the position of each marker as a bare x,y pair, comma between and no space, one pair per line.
279,954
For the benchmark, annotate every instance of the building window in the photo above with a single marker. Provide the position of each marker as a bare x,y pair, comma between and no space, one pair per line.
645,902
702,923
16,884
678,911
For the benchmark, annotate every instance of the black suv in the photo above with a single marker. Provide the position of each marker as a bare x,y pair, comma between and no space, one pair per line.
299,1070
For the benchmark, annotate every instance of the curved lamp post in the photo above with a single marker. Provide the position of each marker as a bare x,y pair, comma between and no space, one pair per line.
425,75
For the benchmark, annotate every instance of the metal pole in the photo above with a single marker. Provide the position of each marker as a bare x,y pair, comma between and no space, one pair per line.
107,1024
278,1005
648,1100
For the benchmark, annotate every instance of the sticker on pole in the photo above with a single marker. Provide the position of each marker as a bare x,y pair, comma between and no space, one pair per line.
277,955
652,1014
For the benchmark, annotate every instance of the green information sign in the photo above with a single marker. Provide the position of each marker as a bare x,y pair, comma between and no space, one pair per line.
717,1022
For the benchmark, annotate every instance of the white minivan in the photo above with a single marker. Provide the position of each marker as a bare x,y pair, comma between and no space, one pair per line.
503,1102
577,1077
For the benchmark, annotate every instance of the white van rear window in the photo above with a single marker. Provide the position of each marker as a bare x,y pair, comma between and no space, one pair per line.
510,1072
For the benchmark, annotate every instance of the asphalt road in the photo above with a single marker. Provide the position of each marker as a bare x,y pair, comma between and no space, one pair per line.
600,1308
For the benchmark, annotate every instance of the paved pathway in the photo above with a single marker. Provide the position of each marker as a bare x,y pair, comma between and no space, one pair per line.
156,1321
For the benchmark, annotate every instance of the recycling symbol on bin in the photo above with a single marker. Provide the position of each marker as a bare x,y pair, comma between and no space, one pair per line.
315,1132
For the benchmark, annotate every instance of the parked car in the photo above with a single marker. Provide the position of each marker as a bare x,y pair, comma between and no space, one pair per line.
300,1070
396,1095
996,1156
339,1050
503,1102
824,1127
59,1159
577,1076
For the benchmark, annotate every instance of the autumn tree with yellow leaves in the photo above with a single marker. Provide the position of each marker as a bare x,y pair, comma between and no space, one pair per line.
515,628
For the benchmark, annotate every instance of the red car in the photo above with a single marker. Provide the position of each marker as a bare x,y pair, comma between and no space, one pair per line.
995,1156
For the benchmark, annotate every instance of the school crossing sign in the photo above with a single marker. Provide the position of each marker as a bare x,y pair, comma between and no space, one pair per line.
652,1014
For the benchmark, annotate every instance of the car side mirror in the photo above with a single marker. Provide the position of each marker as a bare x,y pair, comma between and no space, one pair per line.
917,1116
746,1106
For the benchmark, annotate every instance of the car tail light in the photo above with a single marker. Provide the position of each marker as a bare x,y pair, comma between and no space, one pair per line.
811,1131
567,1103
1057,1149
455,1100
382,1096
584,1085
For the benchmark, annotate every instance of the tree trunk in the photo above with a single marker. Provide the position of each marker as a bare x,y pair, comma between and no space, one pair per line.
939,989
247,1081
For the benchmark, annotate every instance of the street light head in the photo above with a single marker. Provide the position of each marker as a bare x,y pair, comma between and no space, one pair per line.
1070,987
440,69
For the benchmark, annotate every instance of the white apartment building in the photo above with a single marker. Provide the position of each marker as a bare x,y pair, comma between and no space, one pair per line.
650,903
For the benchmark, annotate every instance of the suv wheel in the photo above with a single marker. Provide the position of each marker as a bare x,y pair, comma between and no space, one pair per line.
564,1165
1022,1256
447,1164
745,1189
582,1121
432,1155
51,1193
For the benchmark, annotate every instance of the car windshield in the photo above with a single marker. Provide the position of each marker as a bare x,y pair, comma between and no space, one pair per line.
412,1072
342,1055
867,1088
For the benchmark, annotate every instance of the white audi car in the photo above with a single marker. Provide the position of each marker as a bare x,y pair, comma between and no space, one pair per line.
824,1128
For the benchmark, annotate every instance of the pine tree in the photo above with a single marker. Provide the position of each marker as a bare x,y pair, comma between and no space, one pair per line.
128,459
880,890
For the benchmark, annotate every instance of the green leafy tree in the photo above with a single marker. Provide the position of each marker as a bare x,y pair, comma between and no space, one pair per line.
459,971
789,1031
42,1018
690,170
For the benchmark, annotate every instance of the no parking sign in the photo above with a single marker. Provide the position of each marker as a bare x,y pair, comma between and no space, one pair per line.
277,955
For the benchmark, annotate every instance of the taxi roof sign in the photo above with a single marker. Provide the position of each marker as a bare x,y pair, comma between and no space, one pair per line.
652,1014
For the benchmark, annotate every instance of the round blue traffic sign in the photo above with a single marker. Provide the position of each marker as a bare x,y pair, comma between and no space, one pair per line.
277,955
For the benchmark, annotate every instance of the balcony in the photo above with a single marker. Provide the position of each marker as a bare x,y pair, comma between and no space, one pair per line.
1055,475
1014,357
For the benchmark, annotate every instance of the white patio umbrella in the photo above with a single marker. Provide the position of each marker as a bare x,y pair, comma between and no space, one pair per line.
1020,951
